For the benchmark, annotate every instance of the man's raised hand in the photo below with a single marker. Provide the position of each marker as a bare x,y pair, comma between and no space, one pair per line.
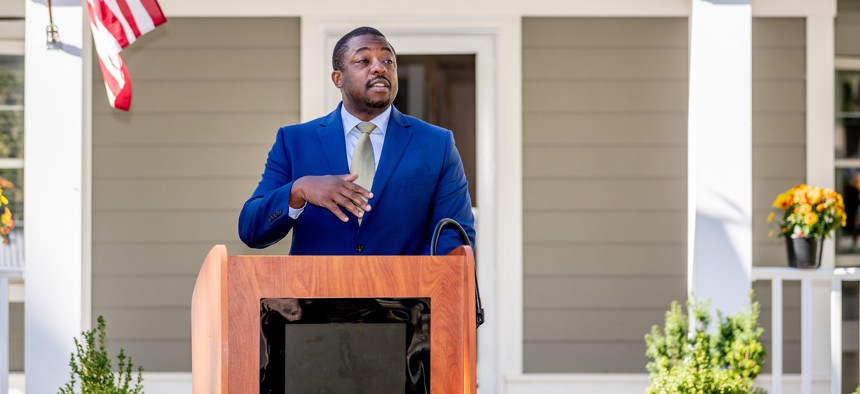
330,192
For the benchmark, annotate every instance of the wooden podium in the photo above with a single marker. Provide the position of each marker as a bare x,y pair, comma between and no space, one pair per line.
225,309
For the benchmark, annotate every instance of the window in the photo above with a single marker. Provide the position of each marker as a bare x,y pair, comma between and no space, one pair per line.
12,131
847,144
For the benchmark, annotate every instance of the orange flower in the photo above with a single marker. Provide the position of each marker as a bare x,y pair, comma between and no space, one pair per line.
798,197
6,218
821,207
781,201
814,195
802,209
810,219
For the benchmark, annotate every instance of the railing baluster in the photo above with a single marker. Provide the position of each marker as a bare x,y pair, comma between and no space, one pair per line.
776,335
778,276
806,336
4,333
836,336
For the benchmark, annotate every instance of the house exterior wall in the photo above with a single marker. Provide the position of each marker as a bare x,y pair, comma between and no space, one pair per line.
170,177
779,152
847,28
221,8
11,9
604,188
16,336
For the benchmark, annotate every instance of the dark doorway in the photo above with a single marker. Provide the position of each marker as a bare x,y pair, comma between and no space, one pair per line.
440,89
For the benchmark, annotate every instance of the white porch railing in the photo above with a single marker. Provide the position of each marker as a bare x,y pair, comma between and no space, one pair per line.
806,277
11,267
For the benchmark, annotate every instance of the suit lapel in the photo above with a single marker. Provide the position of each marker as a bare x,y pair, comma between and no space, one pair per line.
331,136
396,139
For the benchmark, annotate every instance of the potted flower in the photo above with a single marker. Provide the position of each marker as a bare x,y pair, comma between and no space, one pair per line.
809,214
7,224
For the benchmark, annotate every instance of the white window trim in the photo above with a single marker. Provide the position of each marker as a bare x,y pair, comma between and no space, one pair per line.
496,44
843,63
15,48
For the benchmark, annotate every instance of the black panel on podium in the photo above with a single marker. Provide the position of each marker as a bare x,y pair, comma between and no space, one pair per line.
345,345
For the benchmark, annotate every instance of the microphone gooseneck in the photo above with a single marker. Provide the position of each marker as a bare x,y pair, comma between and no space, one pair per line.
464,238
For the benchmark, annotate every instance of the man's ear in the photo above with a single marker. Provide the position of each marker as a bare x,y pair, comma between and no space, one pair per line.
337,78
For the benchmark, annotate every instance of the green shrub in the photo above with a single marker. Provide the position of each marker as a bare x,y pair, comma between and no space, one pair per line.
703,363
91,367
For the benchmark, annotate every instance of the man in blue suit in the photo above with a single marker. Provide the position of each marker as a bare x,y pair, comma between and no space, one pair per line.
365,179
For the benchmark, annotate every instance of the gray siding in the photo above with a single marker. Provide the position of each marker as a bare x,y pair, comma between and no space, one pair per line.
604,187
779,152
12,9
847,28
16,337
11,31
170,177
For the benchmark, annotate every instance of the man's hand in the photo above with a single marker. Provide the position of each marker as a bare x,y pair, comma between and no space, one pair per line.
331,191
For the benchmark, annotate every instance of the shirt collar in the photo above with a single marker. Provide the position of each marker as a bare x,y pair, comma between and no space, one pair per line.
350,121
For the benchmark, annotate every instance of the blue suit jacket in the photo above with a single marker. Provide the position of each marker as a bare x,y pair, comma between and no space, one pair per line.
419,180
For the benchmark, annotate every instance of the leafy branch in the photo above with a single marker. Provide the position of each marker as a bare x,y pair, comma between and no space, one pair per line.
91,367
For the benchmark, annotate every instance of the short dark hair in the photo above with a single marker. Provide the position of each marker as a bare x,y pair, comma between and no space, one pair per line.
340,48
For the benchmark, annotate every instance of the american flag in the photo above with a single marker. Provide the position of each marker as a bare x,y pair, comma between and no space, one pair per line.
116,24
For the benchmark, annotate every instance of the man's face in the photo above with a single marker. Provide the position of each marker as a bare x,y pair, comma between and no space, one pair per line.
368,79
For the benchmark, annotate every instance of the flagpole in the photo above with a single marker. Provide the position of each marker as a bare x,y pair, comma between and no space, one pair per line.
52,31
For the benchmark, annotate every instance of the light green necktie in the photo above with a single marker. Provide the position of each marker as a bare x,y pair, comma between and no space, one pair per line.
363,161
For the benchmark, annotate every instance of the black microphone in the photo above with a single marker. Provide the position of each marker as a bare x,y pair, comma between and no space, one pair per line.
464,238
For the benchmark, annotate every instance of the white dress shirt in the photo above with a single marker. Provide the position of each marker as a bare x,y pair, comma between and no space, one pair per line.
351,134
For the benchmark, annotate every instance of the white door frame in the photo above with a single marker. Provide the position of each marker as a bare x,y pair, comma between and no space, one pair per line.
483,40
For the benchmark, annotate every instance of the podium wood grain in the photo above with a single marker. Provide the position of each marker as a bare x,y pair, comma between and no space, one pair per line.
226,309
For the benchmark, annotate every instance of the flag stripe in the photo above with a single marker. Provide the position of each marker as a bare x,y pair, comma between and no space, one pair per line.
154,11
117,12
106,47
128,16
123,98
111,24
111,83
144,21
115,25
113,73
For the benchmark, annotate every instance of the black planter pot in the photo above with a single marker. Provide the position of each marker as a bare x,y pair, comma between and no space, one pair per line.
804,252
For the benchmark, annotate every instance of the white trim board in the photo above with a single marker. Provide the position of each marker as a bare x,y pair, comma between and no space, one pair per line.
442,9
180,383
496,44
153,382
620,383
846,63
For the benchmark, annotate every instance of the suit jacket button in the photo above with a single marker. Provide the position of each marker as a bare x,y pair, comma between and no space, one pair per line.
359,248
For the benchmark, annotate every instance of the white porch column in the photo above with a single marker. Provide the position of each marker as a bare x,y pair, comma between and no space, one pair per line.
820,124
53,204
720,153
